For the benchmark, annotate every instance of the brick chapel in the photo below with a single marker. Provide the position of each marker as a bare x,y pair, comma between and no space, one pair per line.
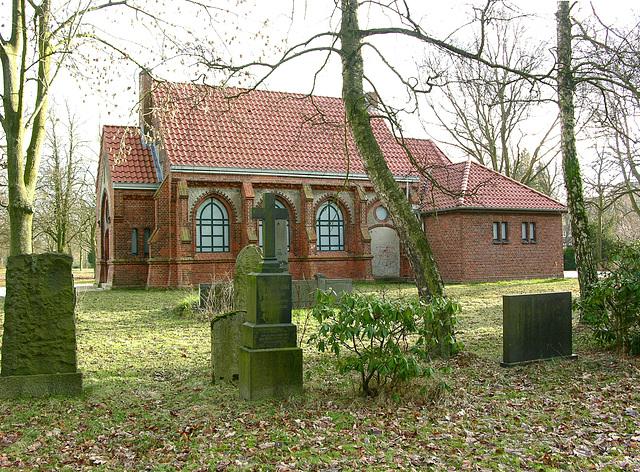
174,195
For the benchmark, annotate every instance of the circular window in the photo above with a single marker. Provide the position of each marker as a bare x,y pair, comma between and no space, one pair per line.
381,213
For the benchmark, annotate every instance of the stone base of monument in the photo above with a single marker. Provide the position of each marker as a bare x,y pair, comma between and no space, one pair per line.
536,327
270,373
41,385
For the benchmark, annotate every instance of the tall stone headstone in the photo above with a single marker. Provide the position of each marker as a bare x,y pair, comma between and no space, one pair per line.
536,327
270,361
282,251
39,339
226,330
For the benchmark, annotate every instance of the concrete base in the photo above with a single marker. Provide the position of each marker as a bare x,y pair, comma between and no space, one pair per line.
571,357
269,373
41,385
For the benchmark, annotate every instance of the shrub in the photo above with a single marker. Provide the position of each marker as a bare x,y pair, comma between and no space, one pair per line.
569,258
384,340
612,308
185,307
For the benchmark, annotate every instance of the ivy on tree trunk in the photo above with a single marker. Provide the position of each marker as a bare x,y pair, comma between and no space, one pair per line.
423,264
587,273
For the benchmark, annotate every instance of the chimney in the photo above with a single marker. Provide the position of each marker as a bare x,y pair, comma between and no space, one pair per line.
145,105
372,100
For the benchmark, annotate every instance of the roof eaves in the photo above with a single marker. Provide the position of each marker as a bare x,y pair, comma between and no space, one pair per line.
502,209
280,173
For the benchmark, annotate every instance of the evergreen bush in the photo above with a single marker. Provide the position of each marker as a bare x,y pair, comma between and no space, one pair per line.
386,341
612,308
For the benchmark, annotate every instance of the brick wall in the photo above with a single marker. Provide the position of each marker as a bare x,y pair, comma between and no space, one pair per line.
462,242
465,251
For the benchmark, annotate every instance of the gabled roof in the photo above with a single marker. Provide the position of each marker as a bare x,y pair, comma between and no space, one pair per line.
466,185
129,160
427,153
229,128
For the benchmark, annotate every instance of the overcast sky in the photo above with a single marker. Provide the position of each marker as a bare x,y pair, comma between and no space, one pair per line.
109,95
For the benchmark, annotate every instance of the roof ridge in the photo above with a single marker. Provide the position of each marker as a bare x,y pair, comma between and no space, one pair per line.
465,183
248,90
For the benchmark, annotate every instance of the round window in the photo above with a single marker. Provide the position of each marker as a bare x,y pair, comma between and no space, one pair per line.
381,213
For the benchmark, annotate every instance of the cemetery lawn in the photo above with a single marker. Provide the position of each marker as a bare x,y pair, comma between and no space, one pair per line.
148,402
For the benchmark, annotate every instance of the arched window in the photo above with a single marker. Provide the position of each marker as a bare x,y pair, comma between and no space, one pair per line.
279,204
330,227
212,227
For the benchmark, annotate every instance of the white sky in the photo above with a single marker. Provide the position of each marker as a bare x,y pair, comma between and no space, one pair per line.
109,96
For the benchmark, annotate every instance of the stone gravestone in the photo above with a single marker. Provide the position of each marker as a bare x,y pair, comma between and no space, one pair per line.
282,252
536,327
270,361
226,330
39,339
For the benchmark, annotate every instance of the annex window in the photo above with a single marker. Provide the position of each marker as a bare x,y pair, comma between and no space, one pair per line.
212,227
500,232
134,241
528,232
146,235
279,204
330,227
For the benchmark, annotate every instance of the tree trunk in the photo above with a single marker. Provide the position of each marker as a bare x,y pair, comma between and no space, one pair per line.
23,161
423,264
587,274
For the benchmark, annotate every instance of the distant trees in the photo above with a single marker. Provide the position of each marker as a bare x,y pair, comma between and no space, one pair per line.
487,111
65,196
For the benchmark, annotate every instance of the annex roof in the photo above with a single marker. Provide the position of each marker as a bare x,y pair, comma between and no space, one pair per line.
466,185
232,128
129,160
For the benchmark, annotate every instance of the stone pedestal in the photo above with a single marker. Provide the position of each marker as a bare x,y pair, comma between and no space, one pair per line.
39,339
270,362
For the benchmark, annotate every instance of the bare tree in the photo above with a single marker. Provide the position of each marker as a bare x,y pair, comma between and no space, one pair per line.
349,41
486,110
587,273
40,38
66,188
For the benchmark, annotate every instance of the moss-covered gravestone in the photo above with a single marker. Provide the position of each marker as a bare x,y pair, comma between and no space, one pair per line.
226,330
39,340
270,361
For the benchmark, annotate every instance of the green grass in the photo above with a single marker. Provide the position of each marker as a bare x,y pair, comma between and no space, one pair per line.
148,402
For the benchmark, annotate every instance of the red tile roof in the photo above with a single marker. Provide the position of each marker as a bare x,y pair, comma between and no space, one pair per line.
233,128
426,152
129,160
471,185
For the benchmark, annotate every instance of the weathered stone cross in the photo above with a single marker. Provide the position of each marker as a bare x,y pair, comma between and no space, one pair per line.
269,213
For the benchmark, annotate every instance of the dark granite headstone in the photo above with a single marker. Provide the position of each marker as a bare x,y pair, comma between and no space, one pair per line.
39,339
536,327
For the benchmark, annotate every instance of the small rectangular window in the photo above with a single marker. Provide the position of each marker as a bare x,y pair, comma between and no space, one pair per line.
147,234
496,232
528,232
505,234
134,241
532,232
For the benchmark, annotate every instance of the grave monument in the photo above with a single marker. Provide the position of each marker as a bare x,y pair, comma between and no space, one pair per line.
226,329
39,339
270,361
536,327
